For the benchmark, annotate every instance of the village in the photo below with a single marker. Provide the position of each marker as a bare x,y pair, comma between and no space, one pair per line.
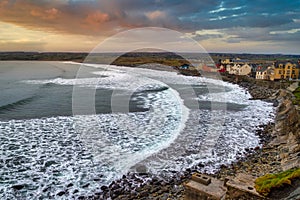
272,71
283,70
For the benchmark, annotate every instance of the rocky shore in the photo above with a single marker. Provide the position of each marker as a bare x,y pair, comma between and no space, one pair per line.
280,140
280,151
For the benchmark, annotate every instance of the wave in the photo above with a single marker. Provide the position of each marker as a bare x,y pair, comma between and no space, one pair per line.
78,149
138,79
14,105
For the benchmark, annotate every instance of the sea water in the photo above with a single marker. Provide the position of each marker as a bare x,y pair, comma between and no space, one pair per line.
159,119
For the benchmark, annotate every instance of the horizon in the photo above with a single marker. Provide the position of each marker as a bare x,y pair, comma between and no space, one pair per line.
256,27
86,52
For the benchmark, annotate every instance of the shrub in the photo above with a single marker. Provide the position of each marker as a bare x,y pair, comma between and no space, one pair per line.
297,96
266,183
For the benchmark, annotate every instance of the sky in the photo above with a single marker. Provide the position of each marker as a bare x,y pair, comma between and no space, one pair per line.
244,26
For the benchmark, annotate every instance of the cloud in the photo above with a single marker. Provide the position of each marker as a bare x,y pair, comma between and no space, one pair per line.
24,45
155,15
56,16
179,14
97,18
3,3
291,31
233,21
48,14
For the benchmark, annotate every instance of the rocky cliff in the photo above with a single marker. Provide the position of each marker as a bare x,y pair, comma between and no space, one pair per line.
281,150
286,132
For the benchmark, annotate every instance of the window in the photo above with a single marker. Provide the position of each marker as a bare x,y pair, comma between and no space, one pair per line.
279,72
293,71
280,65
288,72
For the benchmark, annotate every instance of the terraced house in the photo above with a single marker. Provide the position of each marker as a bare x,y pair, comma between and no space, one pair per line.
285,70
262,72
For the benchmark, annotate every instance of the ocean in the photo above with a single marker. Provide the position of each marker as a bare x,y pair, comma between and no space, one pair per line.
64,124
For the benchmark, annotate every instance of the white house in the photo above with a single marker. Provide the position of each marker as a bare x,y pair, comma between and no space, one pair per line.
239,69
262,73
244,69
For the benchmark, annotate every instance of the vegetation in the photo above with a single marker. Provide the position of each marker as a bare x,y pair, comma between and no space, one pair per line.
296,93
136,61
79,57
265,184
46,56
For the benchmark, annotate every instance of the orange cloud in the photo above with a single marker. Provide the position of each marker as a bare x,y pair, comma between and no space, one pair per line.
97,18
52,12
92,18
54,17
3,3
45,14
155,15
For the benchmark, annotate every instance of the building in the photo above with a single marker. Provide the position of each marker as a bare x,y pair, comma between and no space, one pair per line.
239,69
226,61
286,70
243,69
253,70
261,72
236,66
221,68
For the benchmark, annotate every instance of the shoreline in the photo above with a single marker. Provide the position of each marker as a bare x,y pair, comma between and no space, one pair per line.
280,140
277,141
257,161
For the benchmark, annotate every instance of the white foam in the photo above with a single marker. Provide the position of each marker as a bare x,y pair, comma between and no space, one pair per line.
167,137
236,95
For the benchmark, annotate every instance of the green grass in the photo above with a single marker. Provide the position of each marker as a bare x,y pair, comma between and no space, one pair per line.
296,93
135,61
266,183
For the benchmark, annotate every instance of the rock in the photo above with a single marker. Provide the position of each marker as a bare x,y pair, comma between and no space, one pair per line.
61,193
49,163
275,103
143,194
18,187
70,185
141,169
295,195
104,188
118,191
133,193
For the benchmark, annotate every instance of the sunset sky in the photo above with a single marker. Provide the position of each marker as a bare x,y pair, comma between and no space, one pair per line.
256,26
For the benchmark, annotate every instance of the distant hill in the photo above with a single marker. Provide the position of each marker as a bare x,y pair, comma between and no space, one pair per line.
135,58
46,56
